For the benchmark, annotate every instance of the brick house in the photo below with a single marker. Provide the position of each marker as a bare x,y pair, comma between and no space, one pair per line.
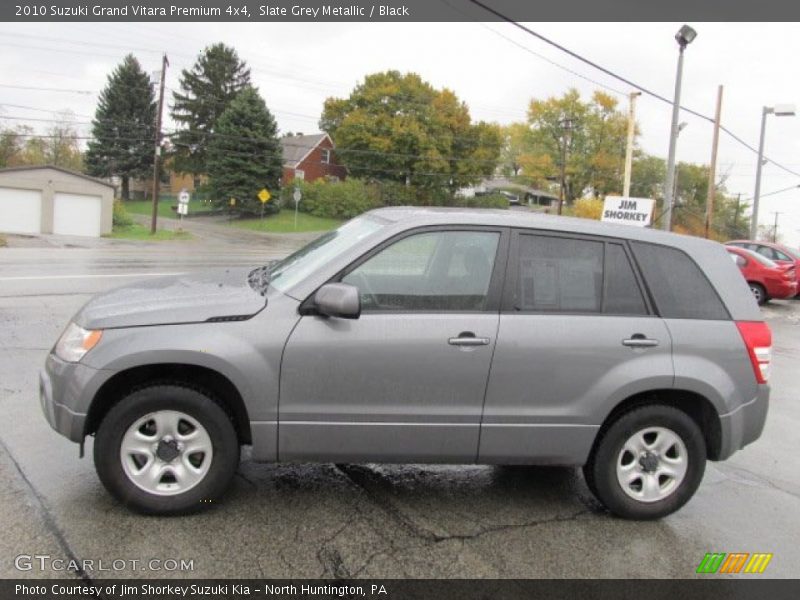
309,157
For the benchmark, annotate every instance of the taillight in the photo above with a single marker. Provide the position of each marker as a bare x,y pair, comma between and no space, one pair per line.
758,341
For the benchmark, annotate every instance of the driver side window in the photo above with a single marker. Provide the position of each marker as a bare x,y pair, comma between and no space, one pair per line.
430,271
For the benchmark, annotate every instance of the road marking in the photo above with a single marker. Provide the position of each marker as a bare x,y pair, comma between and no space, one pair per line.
86,276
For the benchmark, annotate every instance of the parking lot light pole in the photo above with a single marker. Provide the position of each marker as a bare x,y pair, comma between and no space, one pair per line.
684,37
779,110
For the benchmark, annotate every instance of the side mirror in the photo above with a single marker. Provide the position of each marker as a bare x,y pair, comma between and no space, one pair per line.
338,300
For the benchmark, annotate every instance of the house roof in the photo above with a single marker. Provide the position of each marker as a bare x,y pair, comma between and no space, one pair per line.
55,168
297,147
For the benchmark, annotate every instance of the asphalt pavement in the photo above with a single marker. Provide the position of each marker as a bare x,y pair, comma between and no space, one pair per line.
350,520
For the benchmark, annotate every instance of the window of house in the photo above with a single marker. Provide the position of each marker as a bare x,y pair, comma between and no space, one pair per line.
430,271
326,156
299,174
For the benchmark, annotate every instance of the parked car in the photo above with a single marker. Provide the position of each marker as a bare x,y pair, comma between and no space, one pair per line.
767,279
779,253
425,336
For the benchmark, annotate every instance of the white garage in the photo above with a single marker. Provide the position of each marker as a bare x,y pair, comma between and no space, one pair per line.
20,210
54,200
77,214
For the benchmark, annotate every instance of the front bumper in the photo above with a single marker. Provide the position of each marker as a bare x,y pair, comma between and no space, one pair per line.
745,424
65,392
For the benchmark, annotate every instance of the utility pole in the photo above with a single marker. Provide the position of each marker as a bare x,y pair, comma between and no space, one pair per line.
626,187
566,128
157,157
712,170
775,228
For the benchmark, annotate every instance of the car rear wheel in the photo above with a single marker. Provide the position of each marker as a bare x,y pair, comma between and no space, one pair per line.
166,449
648,463
759,293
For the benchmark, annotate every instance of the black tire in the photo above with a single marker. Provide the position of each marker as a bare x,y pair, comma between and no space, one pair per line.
601,469
195,404
759,293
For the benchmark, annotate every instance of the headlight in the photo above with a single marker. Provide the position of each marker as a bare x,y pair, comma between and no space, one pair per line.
75,342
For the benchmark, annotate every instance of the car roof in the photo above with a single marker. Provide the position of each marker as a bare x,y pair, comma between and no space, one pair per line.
412,216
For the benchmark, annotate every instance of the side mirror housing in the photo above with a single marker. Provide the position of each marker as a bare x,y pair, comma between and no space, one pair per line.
338,300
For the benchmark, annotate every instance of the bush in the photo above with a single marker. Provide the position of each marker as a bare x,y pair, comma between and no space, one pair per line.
120,216
337,200
485,201
588,208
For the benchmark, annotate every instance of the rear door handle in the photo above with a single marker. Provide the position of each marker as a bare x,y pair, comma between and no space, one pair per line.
467,338
638,340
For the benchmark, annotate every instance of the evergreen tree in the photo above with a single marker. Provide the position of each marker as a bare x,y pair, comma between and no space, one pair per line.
206,91
124,126
244,154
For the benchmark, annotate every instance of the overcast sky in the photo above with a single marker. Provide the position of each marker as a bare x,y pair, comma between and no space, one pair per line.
296,66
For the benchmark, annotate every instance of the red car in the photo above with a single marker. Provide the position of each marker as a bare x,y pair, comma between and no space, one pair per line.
779,253
766,278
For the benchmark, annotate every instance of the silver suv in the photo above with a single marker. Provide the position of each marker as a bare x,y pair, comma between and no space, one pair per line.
425,335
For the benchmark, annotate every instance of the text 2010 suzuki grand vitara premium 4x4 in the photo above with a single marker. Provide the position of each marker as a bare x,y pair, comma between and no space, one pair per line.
424,335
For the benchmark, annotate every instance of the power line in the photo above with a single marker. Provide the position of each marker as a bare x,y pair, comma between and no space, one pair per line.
623,79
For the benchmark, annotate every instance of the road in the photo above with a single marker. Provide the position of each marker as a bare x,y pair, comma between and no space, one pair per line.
347,520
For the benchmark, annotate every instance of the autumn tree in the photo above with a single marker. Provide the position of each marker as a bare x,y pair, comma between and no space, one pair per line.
123,128
207,89
591,135
398,128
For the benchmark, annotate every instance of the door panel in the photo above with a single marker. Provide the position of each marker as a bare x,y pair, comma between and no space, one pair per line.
77,214
385,387
405,381
556,377
20,211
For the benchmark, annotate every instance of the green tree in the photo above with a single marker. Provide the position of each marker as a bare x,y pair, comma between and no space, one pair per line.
244,155
207,89
124,126
591,135
397,127
12,144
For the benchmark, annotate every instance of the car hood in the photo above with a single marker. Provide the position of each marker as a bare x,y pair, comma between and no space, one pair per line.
188,298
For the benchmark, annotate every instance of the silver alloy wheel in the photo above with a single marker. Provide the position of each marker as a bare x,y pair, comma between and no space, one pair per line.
166,452
652,464
757,292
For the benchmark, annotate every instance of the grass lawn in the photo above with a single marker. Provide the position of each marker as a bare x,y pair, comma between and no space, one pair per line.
145,207
283,222
140,232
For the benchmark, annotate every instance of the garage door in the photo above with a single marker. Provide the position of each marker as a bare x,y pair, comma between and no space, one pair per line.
20,210
76,214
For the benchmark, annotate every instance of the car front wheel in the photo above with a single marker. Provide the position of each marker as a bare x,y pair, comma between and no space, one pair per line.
166,449
648,463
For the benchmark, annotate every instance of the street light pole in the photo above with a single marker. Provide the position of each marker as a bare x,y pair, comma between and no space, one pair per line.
684,37
756,196
782,110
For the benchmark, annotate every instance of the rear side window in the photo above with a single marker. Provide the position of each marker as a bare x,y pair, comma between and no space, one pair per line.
679,287
623,296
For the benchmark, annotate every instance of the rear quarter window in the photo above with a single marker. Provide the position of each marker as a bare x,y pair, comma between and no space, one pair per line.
679,288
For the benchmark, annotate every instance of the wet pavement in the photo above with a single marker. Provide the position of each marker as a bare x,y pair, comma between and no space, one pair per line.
355,520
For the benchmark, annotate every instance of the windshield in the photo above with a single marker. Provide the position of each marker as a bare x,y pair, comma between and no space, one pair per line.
294,268
793,252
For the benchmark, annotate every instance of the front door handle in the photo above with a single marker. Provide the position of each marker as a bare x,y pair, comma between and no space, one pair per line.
638,340
467,338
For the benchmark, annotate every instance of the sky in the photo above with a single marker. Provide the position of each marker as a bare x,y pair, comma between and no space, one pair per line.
494,67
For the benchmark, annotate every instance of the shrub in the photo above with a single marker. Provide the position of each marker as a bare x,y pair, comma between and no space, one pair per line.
588,208
120,216
485,201
337,200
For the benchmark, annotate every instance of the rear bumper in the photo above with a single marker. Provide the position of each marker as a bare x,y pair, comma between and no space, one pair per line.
745,424
65,393
782,289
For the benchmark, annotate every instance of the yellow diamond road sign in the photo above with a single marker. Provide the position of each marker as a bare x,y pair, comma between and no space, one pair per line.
264,196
